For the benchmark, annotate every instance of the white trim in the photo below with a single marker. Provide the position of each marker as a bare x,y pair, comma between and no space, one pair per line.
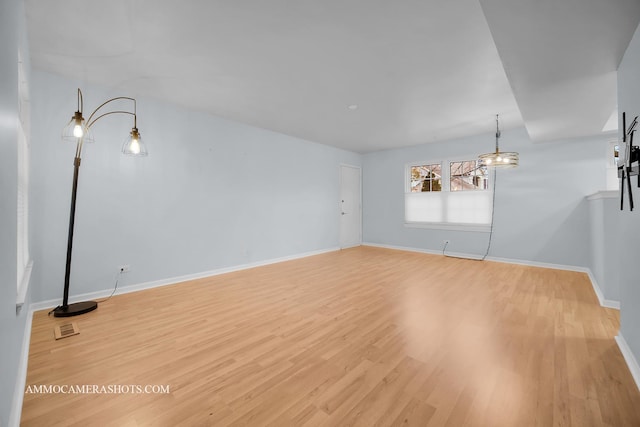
18,393
608,194
42,305
632,363
403,248
407,174
480,228
540,264
24,262
24,284
424,251
602,301
476,256
357,245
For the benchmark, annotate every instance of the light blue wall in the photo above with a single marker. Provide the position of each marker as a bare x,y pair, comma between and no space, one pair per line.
627,224
603,210
541,214
211,194
12,322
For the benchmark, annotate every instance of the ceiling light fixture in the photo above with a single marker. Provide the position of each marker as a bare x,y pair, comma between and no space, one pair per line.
499,159
79,131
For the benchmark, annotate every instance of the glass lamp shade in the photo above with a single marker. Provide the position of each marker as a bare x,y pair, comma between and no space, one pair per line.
134,145
76,129
499,159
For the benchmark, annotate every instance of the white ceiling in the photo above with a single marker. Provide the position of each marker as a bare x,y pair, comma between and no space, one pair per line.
418,70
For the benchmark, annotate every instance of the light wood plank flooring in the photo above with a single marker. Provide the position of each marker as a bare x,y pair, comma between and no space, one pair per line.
364,336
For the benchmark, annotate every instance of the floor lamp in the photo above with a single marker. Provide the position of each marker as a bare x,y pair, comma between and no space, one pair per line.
78,130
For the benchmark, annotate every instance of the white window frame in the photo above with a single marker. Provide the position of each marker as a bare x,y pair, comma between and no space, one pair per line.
24,261
444,194
408,178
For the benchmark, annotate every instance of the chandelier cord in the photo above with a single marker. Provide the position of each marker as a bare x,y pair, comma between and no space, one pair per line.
493,208
497,135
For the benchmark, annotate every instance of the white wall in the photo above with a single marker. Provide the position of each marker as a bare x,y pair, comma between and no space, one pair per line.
541,214
211,194
627,224
12,322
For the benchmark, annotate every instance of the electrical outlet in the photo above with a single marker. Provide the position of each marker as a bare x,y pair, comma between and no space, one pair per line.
124,268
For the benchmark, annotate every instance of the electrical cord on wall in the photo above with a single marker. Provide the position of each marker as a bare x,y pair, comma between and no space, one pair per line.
493,207
114,289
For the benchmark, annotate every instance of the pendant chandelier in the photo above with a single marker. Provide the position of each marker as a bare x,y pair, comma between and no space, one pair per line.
499,159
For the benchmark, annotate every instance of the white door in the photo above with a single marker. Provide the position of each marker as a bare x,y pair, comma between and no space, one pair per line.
350,207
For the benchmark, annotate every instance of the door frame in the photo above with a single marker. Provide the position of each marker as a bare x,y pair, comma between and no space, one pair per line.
359,169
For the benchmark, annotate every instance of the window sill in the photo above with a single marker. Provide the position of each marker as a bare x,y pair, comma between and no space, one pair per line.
22,289
480,228
608,194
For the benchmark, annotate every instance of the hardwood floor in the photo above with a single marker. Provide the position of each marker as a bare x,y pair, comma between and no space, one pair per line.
364,336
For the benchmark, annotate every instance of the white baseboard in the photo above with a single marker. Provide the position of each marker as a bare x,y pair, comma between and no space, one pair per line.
603,302
489,258
402,248
609,303
18,393
42,305
632,363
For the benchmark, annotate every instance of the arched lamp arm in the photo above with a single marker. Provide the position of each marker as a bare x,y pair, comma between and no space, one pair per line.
90,121
80,101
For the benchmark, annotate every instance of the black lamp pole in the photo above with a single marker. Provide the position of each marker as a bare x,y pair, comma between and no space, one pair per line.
66,309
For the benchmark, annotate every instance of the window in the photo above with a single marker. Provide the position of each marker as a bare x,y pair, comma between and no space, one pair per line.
24,259
426,178
468,175
449,194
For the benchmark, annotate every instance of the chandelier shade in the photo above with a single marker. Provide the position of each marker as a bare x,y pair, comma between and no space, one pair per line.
502,159
499,159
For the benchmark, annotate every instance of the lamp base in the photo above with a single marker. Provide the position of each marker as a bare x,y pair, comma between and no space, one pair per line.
75,309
